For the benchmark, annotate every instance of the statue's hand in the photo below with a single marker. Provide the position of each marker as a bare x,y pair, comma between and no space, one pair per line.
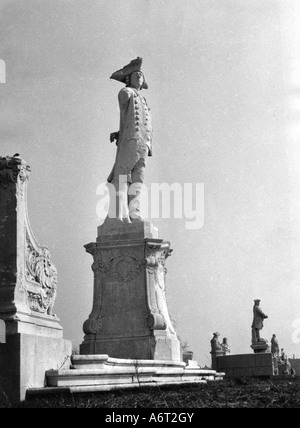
114,136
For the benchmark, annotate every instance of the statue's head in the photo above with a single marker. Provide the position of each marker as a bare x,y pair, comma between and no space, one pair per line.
136,80
127,76
257,302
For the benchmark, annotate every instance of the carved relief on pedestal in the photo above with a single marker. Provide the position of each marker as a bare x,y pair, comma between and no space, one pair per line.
35,275
41,276
123,265
120,266
159,318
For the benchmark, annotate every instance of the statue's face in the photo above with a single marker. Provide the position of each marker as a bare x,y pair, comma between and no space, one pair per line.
137,79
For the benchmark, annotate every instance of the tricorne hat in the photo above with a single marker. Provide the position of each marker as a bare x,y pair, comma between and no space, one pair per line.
134,65
256,300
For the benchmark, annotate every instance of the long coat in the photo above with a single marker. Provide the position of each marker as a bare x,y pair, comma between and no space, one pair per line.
258,318
135,132
135,119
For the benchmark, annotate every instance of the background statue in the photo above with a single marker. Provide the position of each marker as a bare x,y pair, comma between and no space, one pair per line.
274,346
134,143
225,346
257,325
215,344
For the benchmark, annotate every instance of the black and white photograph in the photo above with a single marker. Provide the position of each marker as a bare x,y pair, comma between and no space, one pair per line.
149,206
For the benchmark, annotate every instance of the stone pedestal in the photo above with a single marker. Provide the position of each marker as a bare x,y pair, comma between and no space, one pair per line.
28,286
214,356
130,317
260,347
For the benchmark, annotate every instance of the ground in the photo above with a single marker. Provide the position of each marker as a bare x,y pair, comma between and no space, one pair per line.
237,393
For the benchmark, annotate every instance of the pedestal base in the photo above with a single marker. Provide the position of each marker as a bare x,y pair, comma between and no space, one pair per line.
260,347
214,356
156,346
25,358
130,318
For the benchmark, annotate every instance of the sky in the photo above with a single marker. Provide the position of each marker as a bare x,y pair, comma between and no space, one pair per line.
224,95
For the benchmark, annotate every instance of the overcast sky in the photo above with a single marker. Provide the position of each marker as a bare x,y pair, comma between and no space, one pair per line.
224,86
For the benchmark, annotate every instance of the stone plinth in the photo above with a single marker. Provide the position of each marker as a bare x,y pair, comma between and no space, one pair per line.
214,355
260,347
130,317
246,365
28,287
93,373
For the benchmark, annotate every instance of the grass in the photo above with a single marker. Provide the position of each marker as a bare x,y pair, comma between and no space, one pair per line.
238,393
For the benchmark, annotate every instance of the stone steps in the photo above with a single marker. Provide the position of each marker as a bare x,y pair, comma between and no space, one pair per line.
92,373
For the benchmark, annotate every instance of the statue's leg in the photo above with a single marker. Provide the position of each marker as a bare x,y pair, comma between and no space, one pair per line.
122,211
134,196
254,337
258,334
134,199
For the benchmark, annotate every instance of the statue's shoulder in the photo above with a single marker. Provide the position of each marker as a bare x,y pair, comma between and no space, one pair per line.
125,94
126,90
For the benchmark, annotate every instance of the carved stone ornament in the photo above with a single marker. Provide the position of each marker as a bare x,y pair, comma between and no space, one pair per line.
155,262
11,168
118,266
92,325
41,276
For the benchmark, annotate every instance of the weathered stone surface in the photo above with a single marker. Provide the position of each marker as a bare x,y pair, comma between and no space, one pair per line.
28,279
28,285
100,372
130,318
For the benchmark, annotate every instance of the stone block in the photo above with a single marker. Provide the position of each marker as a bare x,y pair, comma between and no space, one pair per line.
24,360
130,317
245,365
263,371
116,230
28,287
120,373
263,359
241,372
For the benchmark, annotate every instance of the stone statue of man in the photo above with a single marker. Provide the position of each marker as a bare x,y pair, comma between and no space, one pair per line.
134,142
215,344
225,346
275,346
257,325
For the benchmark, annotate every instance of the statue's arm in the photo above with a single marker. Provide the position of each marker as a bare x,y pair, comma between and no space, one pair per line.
261,312
124,96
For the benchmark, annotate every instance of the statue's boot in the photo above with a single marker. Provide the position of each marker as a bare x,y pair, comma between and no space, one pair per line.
134,199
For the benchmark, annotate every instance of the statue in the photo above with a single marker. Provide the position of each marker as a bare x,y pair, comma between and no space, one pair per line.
134,144
216,346
274,346
257,325
282,356
225,346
